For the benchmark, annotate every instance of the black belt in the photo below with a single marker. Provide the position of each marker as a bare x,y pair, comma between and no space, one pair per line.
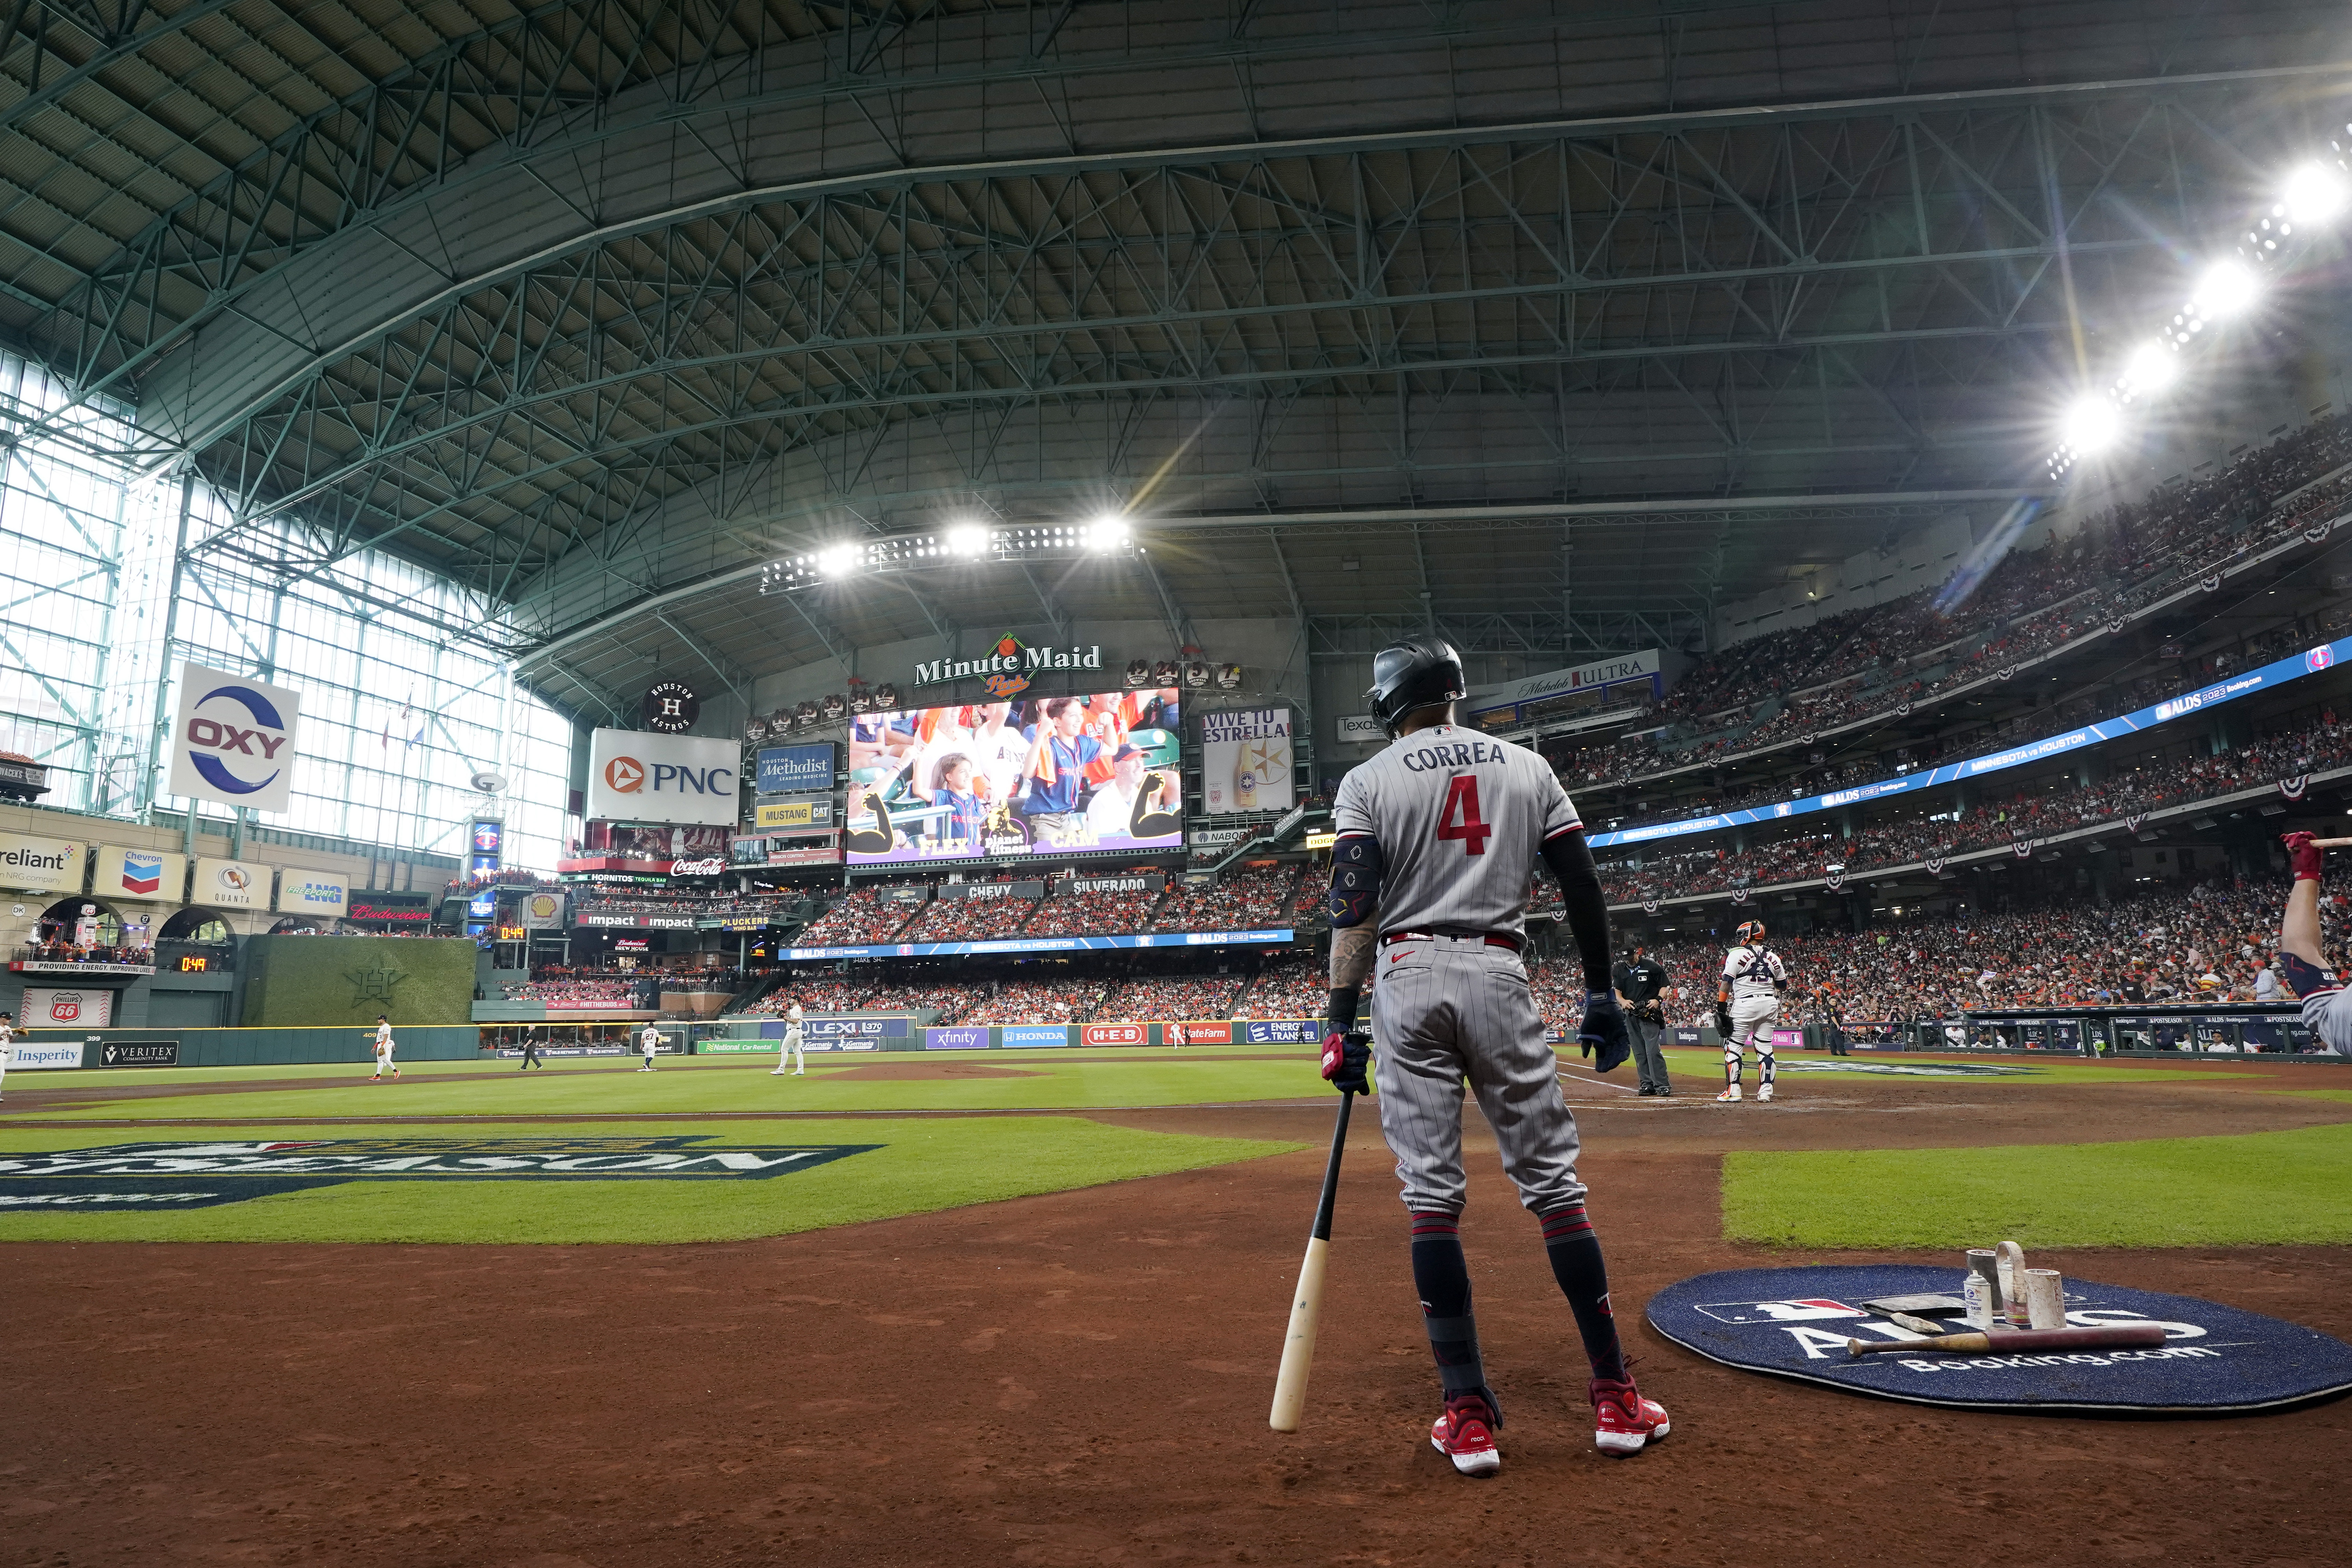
1491,938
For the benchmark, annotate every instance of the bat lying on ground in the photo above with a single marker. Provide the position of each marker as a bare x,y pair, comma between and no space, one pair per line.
2002,1341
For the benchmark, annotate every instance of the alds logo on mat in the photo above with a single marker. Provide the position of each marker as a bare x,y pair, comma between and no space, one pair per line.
198,1175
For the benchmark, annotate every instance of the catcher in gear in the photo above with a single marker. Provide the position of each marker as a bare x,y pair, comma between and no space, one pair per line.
1746,1006
1429,877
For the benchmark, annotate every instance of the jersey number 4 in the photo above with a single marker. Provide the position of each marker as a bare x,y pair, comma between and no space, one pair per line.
1459,818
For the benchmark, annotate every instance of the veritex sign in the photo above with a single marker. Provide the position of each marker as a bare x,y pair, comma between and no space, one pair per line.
200,1175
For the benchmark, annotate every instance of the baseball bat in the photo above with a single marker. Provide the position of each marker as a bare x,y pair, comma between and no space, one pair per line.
1999,1342
2330,843
1306,1307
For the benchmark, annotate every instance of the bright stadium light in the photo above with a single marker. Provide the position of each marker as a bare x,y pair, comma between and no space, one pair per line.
2092,424
968,540
1107,532
2315,194
837,561
2152,367
2227,288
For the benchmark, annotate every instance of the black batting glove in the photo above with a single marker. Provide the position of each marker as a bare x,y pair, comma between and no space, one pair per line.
1345,1052
1604,1031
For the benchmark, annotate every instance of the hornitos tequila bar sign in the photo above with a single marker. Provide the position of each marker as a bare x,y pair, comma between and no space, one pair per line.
1009,666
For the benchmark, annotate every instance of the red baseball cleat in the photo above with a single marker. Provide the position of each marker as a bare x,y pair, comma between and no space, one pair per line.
1623,1420
1465,1435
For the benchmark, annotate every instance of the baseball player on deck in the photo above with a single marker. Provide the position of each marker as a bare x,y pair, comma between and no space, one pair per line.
1429,876
1746,1006
2326,1009
790,1051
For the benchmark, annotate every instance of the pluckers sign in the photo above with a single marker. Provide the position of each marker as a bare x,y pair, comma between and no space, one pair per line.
232,740
1009,666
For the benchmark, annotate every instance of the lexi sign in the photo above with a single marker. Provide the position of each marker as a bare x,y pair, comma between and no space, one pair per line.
232,740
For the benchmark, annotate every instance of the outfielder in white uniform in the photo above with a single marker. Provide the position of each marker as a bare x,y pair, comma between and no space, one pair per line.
649,1042
1436,838
1746,1006
384,1062
791,1050
7,1044
2326,1006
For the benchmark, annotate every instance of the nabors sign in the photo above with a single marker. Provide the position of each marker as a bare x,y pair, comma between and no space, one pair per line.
232,740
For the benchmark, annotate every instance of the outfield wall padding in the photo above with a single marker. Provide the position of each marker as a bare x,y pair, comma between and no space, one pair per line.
284,1048
293,982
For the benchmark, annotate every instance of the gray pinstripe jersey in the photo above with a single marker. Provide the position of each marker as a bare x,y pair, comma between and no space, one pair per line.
1458,817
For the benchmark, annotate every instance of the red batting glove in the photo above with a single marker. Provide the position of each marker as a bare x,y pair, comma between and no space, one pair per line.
2304,856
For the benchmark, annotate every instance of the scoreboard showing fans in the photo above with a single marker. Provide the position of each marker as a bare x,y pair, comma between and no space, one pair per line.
993,781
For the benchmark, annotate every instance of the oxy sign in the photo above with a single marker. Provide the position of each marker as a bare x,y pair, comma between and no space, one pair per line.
635,776
232,740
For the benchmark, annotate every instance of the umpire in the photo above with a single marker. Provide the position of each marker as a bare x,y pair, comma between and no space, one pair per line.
1641,985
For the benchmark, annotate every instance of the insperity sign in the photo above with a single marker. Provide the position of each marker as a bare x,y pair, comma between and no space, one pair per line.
202,1175
232,740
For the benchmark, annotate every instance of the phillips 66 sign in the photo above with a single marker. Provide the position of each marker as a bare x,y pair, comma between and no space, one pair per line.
232,740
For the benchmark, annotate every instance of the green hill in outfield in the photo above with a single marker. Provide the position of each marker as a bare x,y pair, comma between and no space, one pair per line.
311,981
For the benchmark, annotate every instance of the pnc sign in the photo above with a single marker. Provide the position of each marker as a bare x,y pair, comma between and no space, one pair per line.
232,740
635,775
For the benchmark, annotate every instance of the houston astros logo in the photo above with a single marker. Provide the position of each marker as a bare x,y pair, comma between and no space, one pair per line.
626,774
219,738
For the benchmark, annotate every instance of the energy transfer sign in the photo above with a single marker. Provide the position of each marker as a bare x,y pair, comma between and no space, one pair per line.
200,1175
635,776
232,740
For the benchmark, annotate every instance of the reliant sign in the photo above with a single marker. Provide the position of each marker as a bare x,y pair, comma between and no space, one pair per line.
41,865
635,776
232,740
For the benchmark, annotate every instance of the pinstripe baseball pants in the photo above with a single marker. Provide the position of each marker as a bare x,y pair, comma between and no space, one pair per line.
1448,1009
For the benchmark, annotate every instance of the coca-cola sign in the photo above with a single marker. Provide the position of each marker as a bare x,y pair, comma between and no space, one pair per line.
710,867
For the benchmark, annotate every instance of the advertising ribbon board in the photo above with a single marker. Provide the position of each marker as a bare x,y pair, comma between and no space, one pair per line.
1032,1036
41,865
1201,1032
33,1056
232,740
1281,1031
968,1038
124,873
1246,760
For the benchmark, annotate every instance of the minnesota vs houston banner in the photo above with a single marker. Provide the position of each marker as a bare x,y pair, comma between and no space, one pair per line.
1246,760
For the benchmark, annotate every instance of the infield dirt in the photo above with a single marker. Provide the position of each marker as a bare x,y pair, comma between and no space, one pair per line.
1083,1377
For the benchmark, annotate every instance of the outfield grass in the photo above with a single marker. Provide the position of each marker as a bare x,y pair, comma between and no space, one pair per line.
921,1166
2259,1188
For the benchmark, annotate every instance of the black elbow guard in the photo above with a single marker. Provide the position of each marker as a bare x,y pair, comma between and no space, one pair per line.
1355,879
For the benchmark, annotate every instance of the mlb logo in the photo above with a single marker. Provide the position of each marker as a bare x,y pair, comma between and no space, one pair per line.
142,873
1801,1311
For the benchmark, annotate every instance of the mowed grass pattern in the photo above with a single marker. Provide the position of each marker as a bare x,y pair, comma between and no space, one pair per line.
919,1167
2254,1189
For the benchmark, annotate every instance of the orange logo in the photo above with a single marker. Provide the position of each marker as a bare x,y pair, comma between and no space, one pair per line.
626,775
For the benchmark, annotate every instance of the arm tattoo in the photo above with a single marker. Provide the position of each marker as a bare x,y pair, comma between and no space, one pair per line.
1351,954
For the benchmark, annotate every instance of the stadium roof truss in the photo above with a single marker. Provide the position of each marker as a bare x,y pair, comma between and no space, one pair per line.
1552,326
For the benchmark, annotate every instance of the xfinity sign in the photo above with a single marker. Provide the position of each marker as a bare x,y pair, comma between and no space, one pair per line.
232,740
635,776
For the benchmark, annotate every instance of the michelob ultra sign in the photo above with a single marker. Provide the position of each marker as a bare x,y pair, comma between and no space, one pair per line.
232,740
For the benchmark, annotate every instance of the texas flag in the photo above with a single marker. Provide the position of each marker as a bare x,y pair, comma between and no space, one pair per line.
142,873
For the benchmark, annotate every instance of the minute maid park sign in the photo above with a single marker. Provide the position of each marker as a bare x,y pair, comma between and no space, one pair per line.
1009,666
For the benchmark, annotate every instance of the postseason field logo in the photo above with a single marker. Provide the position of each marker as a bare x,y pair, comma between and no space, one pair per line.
201,1175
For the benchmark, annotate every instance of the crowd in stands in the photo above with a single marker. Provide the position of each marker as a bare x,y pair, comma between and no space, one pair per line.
1093,914
816,993
1807,679
969,919
1296,986
607,991
1038,999
1252,899
1994,821
860,918
1165,996
58,951
709,908
2207,942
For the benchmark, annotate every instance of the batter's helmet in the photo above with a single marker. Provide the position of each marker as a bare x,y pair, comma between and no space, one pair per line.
1420,673
1750,930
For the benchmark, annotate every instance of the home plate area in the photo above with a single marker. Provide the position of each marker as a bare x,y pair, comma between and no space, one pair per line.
1796,1322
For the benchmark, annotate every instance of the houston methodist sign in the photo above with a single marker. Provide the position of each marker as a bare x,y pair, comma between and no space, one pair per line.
635,776
232,740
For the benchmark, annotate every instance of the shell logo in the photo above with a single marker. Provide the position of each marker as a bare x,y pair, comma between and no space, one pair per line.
626,775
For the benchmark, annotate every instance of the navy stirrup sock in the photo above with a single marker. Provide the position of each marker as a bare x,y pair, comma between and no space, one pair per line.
1442,1277
1575,1254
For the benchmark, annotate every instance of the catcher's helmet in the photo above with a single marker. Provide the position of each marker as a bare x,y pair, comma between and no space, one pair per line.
1419,673
1750,930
